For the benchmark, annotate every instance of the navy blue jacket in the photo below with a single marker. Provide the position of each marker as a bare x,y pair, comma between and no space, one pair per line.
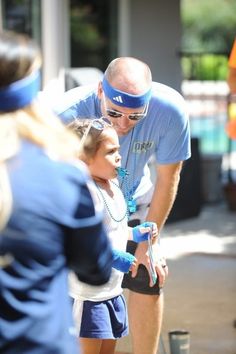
54,226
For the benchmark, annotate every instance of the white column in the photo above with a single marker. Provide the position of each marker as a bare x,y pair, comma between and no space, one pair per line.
55,38
123,28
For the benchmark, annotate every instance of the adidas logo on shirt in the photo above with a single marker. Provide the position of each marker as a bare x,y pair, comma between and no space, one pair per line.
118,99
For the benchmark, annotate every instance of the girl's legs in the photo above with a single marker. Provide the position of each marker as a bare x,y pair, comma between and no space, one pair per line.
108,346
97,346
90,345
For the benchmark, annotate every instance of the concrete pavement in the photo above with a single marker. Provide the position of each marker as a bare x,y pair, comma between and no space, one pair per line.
200,293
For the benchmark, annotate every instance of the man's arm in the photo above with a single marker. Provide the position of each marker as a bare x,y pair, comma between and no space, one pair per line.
167,182
165,191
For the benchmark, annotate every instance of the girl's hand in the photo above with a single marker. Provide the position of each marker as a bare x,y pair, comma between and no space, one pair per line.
134,266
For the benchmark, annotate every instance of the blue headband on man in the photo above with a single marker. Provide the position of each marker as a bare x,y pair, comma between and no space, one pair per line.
125,99
20,93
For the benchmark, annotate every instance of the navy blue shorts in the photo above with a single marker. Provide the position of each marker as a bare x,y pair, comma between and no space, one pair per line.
104,319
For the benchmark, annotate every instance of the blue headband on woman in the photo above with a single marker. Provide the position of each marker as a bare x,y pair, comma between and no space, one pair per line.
125,99
20,93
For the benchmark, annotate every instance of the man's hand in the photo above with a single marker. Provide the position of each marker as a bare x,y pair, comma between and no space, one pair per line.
142,257
160,264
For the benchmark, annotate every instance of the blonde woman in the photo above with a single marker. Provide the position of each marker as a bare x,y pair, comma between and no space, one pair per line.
48,219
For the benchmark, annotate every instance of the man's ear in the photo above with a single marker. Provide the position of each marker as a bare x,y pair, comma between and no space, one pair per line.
99,92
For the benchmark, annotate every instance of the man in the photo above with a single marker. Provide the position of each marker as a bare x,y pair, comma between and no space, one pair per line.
151,120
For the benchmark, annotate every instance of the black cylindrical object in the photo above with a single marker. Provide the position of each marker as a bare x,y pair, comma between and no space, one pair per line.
179,341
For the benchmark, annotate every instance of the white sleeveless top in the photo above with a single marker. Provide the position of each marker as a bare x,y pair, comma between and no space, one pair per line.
117,232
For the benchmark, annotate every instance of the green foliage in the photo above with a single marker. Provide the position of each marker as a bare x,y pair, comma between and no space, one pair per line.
205,67
209,29
208,26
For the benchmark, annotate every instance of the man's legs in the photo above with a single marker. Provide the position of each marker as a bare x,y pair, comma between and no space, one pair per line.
145,317
145,307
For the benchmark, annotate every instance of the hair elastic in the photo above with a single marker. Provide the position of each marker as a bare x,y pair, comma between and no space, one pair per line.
20,93
125,99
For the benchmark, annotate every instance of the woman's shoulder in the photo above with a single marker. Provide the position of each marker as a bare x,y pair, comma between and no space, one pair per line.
37,169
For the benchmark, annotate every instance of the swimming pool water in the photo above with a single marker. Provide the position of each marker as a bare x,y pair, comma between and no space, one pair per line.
211,134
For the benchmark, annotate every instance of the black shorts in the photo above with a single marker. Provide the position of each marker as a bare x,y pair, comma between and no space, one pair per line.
139,284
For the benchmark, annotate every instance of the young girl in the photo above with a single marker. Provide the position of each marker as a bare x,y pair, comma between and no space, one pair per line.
100,311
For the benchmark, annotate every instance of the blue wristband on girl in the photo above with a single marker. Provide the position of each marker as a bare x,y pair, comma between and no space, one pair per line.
122,260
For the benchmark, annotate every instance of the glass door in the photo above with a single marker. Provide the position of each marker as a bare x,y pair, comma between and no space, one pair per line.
93,29
22,16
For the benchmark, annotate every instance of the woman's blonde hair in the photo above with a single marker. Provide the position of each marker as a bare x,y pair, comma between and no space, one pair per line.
19,57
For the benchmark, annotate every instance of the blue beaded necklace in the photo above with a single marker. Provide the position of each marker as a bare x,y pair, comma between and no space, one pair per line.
126,214
125,183
128,195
